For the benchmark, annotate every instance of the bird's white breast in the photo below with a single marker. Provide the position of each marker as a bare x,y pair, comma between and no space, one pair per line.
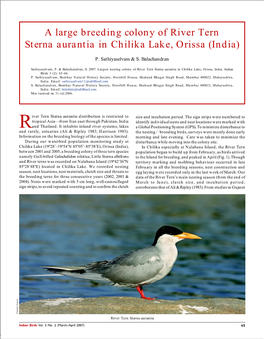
168,253
168,256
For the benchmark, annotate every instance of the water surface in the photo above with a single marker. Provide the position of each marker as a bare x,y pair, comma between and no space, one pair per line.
77,229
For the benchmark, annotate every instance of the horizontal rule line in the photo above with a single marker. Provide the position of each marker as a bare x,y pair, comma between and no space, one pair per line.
121,322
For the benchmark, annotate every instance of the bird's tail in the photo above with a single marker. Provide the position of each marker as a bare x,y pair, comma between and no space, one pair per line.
43,275
60,269
81,272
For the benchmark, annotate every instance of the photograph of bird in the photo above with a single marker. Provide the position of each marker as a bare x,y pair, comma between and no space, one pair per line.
136,268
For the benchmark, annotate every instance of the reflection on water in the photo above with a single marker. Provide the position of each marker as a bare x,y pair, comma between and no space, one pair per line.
77,229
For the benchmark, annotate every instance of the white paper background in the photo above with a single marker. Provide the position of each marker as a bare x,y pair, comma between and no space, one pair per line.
252,13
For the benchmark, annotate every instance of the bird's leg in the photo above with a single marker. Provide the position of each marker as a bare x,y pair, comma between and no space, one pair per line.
140,290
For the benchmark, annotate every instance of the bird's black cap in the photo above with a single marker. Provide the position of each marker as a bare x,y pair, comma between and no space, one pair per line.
171,230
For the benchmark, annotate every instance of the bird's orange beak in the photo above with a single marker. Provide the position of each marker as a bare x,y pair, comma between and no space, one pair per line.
187,236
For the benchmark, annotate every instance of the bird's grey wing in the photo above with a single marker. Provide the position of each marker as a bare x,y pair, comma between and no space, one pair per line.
134,267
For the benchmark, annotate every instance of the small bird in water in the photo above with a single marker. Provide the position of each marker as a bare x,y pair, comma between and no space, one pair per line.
136,268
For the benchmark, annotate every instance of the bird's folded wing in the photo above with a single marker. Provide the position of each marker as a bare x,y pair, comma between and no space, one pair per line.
135,267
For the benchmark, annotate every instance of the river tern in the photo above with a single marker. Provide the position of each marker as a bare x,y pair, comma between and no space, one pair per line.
134,269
